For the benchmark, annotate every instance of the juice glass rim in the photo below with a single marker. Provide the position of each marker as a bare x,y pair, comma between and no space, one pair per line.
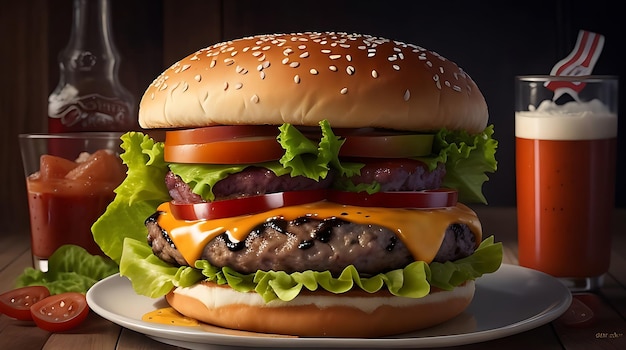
95,135
585,78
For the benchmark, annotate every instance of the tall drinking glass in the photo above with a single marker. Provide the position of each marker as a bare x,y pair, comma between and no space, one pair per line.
565,170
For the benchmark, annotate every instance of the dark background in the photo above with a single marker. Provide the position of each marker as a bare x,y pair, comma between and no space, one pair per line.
493,41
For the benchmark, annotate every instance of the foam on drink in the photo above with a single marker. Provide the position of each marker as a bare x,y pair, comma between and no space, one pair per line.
571,121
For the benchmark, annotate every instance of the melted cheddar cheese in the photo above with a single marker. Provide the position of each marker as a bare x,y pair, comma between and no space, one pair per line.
422,231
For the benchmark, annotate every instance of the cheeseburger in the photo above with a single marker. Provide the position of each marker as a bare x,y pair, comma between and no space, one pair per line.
309,184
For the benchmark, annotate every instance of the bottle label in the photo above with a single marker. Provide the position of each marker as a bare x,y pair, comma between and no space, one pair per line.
89,113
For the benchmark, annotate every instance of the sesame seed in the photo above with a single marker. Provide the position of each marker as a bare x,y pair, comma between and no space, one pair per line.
233,54
225,86
456,88
287,51
344,91
259,67
333,68
152,96
262,74
396,67
326,51
163,87
304,55
313,71
392,58
350,70
374,74
185,67
441,70
261,58
294,64
266,64
407,95
238,86
302,47
254,99
371,54
296,79
257,53
285,60
213,63
334,57
349,58
429,64
229,61
198,77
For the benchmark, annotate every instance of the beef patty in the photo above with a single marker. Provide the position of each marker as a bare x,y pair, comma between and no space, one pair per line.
312,244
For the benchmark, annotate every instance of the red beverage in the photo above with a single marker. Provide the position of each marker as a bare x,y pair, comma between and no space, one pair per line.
50,223
565,199
66,197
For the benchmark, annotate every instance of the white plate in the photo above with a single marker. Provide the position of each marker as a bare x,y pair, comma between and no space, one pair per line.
512,300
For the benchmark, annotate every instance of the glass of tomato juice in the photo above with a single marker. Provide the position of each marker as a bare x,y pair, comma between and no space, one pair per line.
566,136
70,178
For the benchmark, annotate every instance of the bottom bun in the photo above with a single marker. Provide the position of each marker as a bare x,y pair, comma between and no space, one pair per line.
320,314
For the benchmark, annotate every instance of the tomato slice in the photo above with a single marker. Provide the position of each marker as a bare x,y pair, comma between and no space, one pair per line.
244,205
218,133
427,199
247,150
16,303
381,145
60,312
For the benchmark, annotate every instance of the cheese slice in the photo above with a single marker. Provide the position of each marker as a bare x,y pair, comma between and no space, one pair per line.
422,231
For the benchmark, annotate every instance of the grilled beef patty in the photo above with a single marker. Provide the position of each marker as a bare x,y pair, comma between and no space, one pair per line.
312,244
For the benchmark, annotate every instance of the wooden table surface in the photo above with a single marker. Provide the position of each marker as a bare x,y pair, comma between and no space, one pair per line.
606,330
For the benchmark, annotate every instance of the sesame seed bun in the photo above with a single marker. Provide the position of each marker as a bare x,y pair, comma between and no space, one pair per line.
352,314
351,80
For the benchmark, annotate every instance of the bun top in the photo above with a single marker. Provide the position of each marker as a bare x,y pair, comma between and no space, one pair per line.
351,80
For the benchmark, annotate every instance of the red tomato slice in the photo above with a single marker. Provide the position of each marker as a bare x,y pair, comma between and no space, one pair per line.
245,205
60,312
390,145
218,133
439,198
16,303
247,150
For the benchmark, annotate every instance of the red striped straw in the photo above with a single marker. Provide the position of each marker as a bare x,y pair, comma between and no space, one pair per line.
579,62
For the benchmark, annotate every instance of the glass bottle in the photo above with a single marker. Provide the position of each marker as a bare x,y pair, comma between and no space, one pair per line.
89,96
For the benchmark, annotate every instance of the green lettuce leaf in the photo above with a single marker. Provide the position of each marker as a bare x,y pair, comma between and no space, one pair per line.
467,158
303,157
70,269
136,198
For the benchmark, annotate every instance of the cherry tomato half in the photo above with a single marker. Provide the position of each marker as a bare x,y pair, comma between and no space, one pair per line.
246,150
439,198
218,133
16,303
60,312
387,146
245,205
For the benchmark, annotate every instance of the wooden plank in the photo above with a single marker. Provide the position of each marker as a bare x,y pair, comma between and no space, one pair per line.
131,340
591,324
94,333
